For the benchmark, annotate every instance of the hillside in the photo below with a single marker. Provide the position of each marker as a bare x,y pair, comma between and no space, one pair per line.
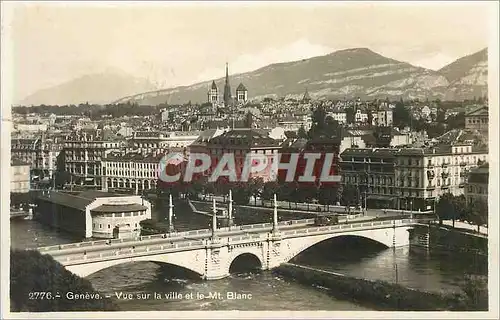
97,88
347,73
468,76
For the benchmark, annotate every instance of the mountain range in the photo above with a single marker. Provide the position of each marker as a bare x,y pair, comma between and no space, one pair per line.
350,73
96,88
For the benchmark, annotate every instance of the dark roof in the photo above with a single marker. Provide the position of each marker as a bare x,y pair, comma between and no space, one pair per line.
241,87
294,144
119,208
480,110
214,86
370,152
246,137
134,156
77,200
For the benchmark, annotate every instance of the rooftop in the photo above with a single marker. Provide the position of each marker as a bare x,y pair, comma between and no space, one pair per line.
76,200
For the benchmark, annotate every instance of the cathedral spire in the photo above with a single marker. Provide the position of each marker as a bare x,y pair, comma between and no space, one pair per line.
227,88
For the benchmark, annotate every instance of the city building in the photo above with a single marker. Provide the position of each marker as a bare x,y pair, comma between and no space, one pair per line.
130,172
147,142
19,176
409,178
303,146
383,117
240,142
93,214
476,187
42,153
83,152
477,119
339,116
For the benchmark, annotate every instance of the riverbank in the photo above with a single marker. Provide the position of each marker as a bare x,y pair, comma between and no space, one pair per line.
444,237
381,295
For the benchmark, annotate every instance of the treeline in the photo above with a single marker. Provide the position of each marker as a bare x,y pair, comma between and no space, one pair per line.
92,110
285,191
38,283
450,207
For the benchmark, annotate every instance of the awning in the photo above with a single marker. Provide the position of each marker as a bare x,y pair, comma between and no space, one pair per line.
108,208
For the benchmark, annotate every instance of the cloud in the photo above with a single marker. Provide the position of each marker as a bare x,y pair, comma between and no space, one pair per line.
300,49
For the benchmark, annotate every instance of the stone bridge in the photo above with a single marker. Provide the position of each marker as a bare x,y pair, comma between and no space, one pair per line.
210,252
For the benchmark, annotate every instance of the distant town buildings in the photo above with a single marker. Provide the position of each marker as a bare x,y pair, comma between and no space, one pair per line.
477,119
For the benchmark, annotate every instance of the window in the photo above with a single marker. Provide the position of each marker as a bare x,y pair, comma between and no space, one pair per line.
109,226
100,226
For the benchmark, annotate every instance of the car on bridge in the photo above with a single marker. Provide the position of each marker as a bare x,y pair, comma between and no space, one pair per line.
326,221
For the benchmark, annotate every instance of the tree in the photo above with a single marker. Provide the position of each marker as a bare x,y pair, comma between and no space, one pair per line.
32,272
241,194
401,115
350,115
270,188
445,208
477,212
256,184
370,117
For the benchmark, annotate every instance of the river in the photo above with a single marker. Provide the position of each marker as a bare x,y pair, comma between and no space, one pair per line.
411,267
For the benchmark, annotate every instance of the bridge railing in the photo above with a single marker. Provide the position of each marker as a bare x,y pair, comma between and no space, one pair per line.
56,250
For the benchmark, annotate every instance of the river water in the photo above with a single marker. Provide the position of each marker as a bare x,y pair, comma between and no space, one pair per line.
412,267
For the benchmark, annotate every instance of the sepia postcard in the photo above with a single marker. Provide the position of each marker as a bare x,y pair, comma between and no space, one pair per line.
249,159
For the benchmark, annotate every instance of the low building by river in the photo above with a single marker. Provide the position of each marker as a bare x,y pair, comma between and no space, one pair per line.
93,214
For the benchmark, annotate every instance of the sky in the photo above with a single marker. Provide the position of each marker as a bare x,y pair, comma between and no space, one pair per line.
183,43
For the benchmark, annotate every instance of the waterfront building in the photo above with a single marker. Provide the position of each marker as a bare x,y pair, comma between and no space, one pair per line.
409,178
83,152
130,172
476,186
19,177
93,214
43,154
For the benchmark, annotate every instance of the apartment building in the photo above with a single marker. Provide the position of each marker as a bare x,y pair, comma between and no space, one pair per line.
83,152
409,178
42,153
476,186
131,172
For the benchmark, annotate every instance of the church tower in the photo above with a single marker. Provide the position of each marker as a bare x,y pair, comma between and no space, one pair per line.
213,94
227,89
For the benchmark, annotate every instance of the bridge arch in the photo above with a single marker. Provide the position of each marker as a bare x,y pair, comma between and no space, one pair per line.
193,261
245,261
295,246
